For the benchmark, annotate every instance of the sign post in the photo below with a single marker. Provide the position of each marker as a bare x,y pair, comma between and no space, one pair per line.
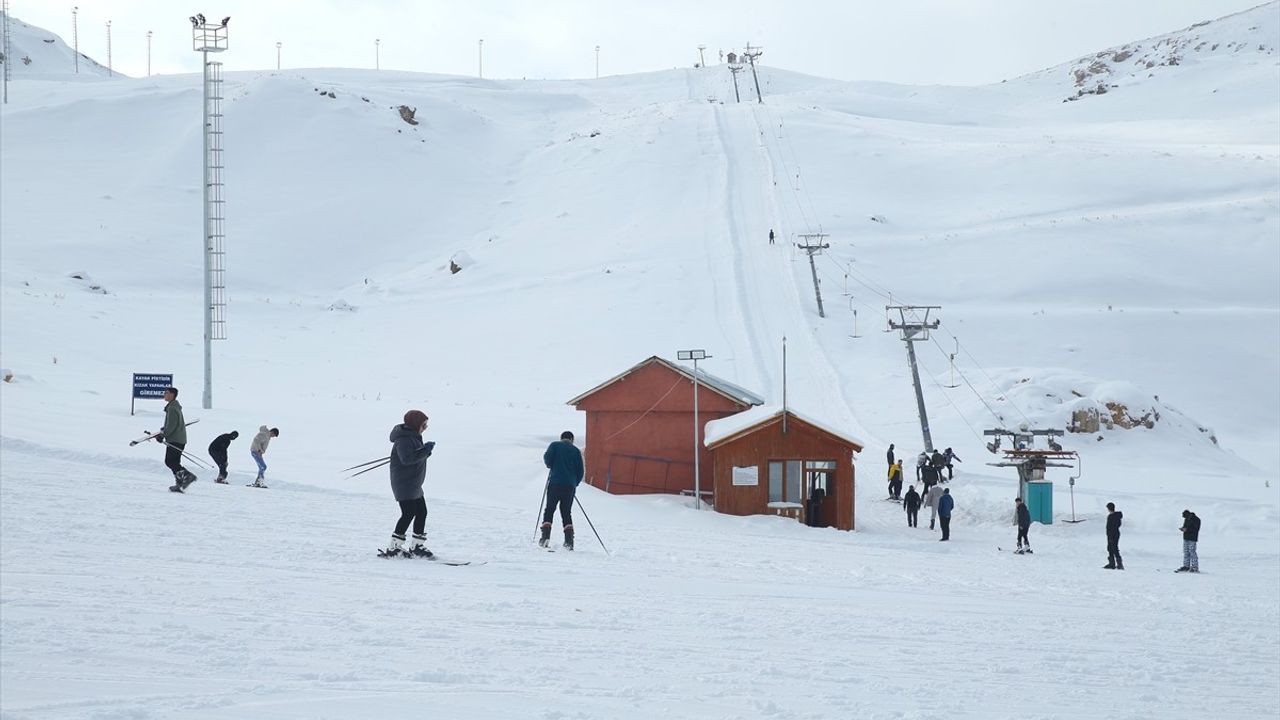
149,386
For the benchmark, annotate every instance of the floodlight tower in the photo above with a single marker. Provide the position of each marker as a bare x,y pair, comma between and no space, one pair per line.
278,46
109,72
597,62
377,54
8,54
148,53
75,36
480,69
695,356
206,38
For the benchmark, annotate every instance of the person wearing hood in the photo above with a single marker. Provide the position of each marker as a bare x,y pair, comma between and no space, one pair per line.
408,464
1114,516
1022,516
218,451
911,501
258,448
1190,536
895,481
889,455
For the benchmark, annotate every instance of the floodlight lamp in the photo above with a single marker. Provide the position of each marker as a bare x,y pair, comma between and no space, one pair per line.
200,17
226,20
194,22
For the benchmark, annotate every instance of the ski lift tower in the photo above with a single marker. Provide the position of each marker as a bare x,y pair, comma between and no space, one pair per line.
1032,463
206,38
914,331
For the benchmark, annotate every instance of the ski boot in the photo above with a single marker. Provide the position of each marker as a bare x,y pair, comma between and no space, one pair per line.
545,540
418,548
1119,565
1109,566
568,537
395,549
221,480
1027,550
1184,568
258,483
185,478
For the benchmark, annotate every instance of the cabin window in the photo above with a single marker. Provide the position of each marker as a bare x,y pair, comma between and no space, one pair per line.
795,480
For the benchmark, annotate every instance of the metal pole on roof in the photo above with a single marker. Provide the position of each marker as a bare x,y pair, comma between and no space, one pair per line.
695,356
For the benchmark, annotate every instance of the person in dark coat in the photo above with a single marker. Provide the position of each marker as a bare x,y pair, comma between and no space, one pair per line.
911,501
564,472
949,457
895,481
1190,536
889,454
946,504
174,437
408,467
771,236
218,451
1023,518
1114,516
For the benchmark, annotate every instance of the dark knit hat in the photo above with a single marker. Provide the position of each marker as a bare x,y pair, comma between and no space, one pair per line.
566,435
414,419
1111,506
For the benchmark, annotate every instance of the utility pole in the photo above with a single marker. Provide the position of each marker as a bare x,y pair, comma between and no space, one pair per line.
702,61
734,69
148,53
812,245
913,332
75,36
109,72
695,356
753,52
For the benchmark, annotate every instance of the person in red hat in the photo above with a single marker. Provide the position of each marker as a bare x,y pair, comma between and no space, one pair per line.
408,471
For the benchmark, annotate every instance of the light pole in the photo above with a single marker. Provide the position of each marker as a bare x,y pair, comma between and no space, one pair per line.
148,53
695,356
377,54
278,44
702,61
481,70
206,37
75,36
109,73
597,62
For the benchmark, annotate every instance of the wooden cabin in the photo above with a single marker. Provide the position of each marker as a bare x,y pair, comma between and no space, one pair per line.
640,428
774,461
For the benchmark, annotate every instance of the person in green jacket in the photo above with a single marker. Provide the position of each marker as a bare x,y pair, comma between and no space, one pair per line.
174,438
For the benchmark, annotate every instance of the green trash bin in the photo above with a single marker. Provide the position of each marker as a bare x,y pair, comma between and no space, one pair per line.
1040,502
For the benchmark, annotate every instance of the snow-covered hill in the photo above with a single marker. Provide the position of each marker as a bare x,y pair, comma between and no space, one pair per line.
40,54
1114,258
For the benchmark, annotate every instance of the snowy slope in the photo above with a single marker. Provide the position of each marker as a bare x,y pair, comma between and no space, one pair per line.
40,54
1123,248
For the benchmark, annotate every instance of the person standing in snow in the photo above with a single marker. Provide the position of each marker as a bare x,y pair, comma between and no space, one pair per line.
931,497
949,457
174,437
895,481
565,471
771,236
945,505
889,455
1190,536
912,504
218,451
1114,517
258,448
408,472
1023,517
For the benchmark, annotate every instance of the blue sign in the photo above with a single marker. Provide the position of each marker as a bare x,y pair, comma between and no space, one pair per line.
151,386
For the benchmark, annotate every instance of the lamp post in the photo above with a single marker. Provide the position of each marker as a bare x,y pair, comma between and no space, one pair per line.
480,72
278,44
75,36
377,54
695,356
148,53
597,62
109,72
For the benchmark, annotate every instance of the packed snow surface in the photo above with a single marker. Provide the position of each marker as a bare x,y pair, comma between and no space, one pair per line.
1115,256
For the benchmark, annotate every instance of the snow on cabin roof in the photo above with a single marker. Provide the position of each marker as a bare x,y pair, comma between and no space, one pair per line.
720,430
707,380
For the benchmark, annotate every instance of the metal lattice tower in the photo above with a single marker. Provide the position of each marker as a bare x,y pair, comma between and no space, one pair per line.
207,38
8,53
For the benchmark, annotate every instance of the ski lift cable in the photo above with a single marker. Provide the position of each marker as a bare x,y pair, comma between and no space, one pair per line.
780,161
975,391
950,402
984,372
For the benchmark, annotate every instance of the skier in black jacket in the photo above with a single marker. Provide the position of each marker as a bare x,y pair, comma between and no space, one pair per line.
218,451
1190,536
1114,517
1024,525
911,501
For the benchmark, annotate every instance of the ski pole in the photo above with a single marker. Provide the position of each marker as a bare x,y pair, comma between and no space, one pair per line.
371,462
384,463
149,436
591,524
537,528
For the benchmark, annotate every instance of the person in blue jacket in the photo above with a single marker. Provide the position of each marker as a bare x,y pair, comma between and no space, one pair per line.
408,471
565,471
945,505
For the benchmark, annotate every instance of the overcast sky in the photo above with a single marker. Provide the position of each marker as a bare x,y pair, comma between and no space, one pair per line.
906,41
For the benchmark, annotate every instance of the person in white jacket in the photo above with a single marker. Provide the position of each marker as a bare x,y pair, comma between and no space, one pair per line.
258,448
931,499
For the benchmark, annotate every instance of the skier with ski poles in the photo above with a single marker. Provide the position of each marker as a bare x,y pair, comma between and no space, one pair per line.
218,451
565,471
408,467
174,437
